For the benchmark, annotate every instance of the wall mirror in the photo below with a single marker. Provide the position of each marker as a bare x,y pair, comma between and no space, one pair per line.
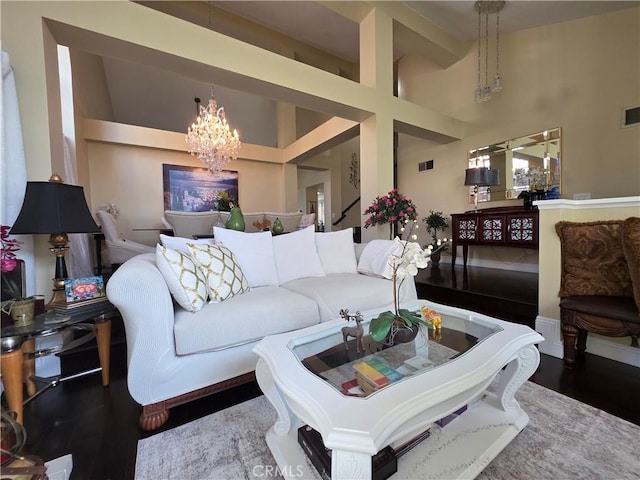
529,163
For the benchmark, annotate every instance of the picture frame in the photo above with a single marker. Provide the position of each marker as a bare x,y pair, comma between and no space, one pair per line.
86,288
196,189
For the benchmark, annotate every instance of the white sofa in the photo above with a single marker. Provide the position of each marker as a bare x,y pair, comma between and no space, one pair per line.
295,280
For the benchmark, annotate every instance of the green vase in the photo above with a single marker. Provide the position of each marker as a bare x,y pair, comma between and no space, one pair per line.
235,220
277,226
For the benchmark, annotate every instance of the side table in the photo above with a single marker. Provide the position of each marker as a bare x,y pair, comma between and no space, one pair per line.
18,354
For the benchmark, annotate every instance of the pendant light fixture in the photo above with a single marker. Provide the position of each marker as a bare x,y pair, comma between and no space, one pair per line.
210,139
483,92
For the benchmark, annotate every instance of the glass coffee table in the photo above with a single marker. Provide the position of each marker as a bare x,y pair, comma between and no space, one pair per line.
311,379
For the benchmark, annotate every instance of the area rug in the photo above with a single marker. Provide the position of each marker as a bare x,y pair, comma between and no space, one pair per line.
565,439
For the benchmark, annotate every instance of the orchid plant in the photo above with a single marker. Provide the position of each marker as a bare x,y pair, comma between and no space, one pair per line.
8,263
404,265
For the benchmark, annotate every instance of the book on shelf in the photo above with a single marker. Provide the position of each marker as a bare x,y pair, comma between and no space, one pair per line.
383,464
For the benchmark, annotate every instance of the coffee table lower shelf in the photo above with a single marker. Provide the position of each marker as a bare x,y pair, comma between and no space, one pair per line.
460,450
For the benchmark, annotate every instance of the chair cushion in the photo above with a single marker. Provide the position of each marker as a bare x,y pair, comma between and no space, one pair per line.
592,259
243,319
615,308
224,276
631,248
108,224
185,280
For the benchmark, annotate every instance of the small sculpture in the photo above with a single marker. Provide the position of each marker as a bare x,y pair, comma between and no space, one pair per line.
356,332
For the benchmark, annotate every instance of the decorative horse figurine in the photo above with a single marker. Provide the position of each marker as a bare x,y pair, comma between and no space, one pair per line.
356,332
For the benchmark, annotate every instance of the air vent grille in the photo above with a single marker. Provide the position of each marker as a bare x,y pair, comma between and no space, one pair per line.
631,116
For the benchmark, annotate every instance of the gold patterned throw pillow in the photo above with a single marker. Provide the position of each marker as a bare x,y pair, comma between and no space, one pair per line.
224,276
185,280
593,262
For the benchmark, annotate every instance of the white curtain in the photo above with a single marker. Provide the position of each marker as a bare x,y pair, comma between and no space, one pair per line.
13,180
80,262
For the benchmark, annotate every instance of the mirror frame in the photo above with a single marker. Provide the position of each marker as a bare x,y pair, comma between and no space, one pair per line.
537,165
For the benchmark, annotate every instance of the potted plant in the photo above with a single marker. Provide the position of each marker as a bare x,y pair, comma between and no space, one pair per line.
401,325
13,303
436,221
391,208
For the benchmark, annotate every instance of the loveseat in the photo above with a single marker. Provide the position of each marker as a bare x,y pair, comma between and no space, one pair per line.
182,346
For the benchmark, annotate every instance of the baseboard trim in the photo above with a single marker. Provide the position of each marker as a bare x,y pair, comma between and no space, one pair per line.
549,328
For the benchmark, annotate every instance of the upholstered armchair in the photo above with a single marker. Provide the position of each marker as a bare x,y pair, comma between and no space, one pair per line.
600,282
118,249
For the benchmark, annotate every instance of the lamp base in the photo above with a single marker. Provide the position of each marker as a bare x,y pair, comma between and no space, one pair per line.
58,297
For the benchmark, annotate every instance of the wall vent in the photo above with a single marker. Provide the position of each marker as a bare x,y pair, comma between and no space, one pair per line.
428,165
631,116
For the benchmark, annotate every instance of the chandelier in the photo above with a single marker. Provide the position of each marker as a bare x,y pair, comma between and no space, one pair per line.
210,139
483,92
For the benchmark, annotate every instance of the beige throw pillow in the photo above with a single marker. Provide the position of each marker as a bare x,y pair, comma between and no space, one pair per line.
223,274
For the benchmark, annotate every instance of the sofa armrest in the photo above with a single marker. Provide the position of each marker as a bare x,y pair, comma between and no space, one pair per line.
140,293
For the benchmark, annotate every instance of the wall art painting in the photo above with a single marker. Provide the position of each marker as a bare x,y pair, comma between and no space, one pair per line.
196,189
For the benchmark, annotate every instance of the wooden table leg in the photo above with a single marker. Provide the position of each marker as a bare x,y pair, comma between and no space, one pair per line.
103,338
29,365
11,368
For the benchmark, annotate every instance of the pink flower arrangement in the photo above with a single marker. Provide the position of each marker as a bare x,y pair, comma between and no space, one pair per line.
390,208
8,247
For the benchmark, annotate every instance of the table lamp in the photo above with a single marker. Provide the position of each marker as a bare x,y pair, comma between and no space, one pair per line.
57,209
480,177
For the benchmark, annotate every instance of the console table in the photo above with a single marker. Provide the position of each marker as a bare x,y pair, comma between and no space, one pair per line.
500,226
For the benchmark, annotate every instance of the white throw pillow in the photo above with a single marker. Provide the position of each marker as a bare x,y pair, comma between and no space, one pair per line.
374,260
253,252
296,255
224,276
185,280
337,252
180,243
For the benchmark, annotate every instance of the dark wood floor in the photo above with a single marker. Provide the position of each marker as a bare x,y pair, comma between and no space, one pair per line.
98,426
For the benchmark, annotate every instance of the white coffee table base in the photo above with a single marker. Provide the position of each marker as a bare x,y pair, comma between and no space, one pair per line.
355,429
462,449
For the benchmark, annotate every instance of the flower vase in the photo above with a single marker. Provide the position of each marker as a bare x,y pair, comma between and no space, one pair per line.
235,220
435,259
401,334
277,227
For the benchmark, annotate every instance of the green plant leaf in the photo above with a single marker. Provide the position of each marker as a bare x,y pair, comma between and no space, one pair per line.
412,318
380,326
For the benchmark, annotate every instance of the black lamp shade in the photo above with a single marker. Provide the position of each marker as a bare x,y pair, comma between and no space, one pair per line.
54,207
494,176
476,176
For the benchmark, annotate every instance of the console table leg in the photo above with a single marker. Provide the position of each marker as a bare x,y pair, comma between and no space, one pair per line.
103,338
11,369
350,465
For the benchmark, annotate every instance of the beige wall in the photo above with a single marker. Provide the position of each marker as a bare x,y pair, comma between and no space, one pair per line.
576,75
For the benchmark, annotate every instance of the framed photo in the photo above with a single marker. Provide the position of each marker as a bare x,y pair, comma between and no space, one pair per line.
77,289
14,282
195,189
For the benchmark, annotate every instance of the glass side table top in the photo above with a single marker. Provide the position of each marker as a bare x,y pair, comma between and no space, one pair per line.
51,322
324,354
